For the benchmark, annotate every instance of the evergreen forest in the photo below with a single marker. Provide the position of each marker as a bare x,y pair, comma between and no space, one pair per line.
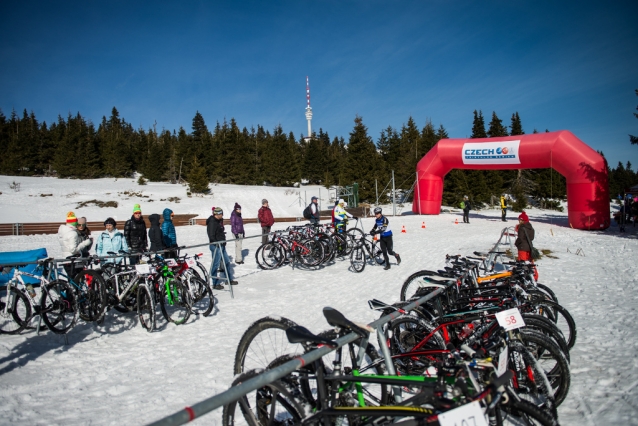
74,147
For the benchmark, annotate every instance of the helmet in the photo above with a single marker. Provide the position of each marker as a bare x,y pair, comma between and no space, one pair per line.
341,201
465,197
377,210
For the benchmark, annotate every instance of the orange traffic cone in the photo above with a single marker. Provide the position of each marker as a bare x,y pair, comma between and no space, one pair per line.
403,229
456,221
423,225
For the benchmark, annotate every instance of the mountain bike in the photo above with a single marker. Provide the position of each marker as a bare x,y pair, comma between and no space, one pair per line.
18,300
366,248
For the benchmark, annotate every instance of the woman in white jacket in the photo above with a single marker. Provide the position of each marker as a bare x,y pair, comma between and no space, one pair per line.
71,242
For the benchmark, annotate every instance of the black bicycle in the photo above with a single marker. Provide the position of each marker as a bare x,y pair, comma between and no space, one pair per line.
366,248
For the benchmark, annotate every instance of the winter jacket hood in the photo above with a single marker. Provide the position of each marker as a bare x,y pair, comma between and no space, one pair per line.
168,229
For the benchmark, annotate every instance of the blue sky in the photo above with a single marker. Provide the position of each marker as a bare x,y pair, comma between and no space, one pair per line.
560,65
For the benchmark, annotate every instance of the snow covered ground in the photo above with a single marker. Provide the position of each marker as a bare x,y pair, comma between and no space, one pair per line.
120,374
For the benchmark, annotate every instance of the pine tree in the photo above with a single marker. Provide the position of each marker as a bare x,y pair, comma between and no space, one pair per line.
496,127
478,126
197,178
516,126
363,164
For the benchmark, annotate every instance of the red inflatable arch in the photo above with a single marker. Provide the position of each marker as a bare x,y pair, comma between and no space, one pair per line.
584,169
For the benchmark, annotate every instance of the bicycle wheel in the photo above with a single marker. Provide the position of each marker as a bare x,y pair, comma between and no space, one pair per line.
203,300
175,301
377,253
560,316
404,334
545,289
58,306
531,382
552,360
15,310
272,404
341,244
201,271
145,307
90,295
269,256
310,252
262,342
358,259
413,283
547,328
525,413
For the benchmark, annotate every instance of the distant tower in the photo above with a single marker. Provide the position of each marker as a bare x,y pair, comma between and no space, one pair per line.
308,109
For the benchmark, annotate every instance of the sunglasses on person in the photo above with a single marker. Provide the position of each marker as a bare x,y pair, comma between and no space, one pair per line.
137,214
81,225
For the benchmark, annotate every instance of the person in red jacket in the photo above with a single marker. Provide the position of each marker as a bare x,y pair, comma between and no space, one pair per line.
266,220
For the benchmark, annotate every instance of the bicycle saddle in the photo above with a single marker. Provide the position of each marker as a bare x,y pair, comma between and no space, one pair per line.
337,319
299,334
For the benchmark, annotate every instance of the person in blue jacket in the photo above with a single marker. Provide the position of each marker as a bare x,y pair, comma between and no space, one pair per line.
111,240
168,230
382,228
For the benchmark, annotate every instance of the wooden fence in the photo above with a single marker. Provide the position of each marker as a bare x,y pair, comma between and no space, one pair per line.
178,220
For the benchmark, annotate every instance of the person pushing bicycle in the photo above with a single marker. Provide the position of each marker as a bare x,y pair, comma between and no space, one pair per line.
382,228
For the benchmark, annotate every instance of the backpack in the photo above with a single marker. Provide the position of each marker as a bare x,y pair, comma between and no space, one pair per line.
307,213
462,204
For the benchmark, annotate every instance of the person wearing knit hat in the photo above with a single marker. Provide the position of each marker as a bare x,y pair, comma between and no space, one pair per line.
71,242
237,228
71,219
266,220
525,237
216,234
135,233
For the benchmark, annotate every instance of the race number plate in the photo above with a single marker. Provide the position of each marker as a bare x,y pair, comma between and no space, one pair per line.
191,263
465,415
143,268
171,262
510,319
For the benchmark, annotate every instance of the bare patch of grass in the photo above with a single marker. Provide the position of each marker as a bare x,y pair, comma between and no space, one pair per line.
97,203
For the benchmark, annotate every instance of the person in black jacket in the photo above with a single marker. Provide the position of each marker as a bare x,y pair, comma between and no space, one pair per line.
155,233
135,233
216,233
466,209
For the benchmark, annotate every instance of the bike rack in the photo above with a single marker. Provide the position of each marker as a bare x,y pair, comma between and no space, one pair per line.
189,414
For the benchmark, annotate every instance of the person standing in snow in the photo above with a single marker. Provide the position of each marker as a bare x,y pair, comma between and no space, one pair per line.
341,215
525,237
168,230
382,228
266,220
465,205
111,240
237,228
85,233
216,234
503,208
135,233
71,242
155,234
314,211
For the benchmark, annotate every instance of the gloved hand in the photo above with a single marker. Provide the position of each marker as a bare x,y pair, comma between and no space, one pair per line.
355,218
373,232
